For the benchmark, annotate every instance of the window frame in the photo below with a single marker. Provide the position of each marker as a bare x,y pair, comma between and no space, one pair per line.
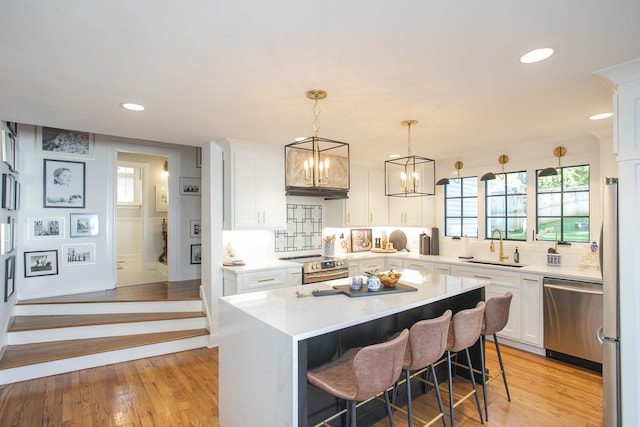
138,183
462,197
505,196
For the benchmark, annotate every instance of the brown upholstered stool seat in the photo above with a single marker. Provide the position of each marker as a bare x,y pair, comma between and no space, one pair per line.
363,373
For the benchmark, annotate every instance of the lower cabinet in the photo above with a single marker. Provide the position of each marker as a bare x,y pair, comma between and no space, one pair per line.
373,264
243,282
421,266
532,320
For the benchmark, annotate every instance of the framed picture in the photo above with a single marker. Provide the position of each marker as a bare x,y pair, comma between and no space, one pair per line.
361,239
13,127
40,263
8,149
84,225
198,157
13,231
162,198
196,254
80,254
9,277
64,143
6,239
64,183
8,191
46,228
190,186
194,228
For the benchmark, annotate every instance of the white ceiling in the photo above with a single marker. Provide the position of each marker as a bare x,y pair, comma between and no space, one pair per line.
208,69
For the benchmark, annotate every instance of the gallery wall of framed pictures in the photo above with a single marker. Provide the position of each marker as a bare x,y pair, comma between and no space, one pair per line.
10,203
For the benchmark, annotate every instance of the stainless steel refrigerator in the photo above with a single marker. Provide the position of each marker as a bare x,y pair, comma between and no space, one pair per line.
609,333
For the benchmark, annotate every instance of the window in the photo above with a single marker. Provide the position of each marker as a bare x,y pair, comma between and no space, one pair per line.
129,185
506,205
461,207
563,205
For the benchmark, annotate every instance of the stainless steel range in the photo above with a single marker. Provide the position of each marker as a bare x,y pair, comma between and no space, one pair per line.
318,268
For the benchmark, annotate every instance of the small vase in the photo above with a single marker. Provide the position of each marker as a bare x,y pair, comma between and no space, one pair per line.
329,248
553,260
373,283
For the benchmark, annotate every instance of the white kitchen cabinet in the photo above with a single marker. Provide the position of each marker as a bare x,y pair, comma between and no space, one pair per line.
294,277
354,269
532,320
442,268
367,204
394,263
500,282
241,282
373,264
405,211
419,265
254,196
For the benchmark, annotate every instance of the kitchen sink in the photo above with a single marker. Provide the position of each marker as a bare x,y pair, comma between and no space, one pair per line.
501,264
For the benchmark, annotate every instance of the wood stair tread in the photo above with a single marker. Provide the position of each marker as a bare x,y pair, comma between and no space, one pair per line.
30,354
30,323
161,291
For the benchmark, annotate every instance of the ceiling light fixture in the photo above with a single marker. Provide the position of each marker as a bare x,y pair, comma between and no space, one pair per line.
558,152
600,116
490,175
409,176
132,107
445,181
536,55
307,162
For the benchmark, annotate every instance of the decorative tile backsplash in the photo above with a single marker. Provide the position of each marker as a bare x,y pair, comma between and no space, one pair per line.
304,229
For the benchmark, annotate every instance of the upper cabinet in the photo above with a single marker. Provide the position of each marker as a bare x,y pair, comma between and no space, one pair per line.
366,205
406,211
254,195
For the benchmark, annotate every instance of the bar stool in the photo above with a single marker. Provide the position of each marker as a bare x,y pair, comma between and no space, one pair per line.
427,344
360,374
464,331
496,316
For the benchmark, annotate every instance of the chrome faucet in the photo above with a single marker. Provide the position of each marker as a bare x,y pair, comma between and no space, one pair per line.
501,256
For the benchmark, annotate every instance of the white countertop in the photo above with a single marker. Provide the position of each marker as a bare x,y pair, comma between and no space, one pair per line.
309,316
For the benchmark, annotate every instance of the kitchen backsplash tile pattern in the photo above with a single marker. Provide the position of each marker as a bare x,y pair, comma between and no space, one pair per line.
304,229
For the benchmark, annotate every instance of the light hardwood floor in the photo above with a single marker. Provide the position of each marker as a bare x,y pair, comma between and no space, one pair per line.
181,389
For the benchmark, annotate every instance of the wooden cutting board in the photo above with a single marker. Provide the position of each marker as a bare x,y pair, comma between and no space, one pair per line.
399,240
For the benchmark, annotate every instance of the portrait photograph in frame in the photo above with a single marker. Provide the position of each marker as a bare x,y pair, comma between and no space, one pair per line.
189,186
54,142
64,184
40,263
9,277
80,254
196,254
84,225
194,228
46,228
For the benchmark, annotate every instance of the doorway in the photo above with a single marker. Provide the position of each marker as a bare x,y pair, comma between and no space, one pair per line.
142,195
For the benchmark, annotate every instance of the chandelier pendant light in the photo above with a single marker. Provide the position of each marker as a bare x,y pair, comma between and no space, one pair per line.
445,181
551,171
307,162
409,176
503,159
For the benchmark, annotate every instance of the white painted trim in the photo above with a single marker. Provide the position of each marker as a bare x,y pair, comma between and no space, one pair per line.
109,307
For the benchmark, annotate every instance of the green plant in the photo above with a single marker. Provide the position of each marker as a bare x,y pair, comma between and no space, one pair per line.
373,273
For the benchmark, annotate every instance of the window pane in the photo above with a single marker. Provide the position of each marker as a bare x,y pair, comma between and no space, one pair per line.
470,227
495,186
470,186
517,183
496,206
453,208
576,178
549,183
576,204
517,205
517,228
576,229
547,228
549,204
453,189
495,223
453,227
470,207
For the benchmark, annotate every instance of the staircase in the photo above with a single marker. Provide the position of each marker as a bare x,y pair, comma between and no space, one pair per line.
49,336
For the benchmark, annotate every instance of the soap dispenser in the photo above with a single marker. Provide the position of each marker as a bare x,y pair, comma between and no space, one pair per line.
516,256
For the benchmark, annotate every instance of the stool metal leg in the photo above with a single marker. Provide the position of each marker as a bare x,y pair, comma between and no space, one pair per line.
450,389
504,374
473,381
435,381
388,405
408,382
484,378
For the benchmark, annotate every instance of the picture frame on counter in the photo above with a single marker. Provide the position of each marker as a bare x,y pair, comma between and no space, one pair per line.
196,254
361,239
9,277
84,225
46,228
194,228
64,184
54,142
190,186
41,263
80,254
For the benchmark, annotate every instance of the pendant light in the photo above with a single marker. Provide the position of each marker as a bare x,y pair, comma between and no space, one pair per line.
409,176
558,152
445,181
490,175
317,166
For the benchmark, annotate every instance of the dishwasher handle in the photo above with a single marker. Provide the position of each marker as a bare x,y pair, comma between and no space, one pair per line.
570,288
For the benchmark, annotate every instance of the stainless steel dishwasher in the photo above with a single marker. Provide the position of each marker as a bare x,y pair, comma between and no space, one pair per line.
572,316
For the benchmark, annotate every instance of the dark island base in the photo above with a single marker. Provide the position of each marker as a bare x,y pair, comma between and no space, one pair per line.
314,405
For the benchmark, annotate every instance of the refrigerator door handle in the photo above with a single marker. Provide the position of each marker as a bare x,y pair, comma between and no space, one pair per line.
599,336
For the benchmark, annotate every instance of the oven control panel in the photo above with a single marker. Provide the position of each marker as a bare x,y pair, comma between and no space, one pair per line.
328,265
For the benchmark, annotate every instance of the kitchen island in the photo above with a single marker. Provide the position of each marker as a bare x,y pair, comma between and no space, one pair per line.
269,339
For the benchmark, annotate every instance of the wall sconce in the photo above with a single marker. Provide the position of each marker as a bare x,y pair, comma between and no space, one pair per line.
409,176
558,152
165,168
445,181
503,159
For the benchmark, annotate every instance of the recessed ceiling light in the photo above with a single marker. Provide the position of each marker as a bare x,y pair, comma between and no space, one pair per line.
133,107
394,156
536,55
600,116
